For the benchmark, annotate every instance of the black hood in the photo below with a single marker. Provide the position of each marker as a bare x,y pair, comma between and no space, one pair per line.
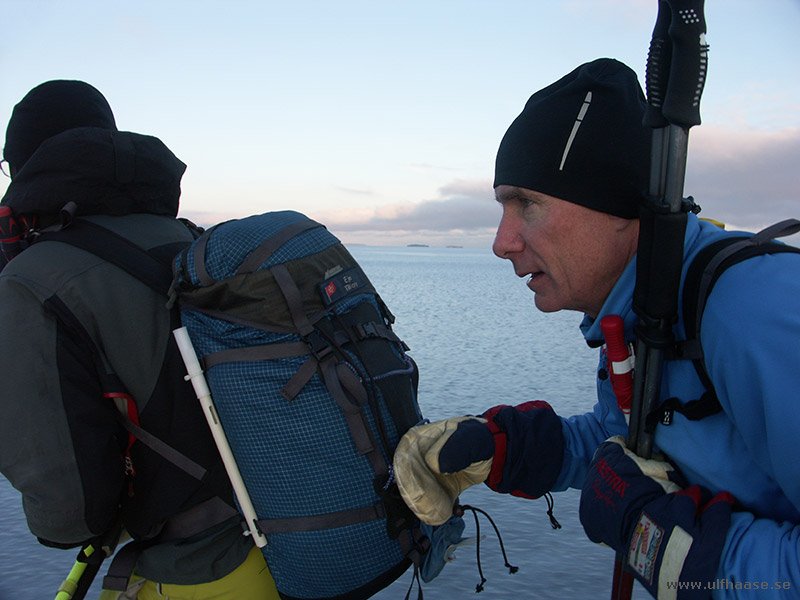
103,172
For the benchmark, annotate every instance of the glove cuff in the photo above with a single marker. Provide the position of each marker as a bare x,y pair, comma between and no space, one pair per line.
662,556
527,462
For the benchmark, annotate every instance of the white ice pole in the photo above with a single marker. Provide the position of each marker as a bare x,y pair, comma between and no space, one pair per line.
195,375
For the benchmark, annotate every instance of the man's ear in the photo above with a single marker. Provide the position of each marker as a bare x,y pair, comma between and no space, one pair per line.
621,224
628,233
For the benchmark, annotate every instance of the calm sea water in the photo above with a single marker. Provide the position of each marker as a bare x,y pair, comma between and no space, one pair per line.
479,341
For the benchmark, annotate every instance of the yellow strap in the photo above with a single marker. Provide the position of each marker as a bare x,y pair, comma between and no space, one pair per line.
714,221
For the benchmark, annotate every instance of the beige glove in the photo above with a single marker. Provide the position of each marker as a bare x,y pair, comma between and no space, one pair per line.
427,491
656,468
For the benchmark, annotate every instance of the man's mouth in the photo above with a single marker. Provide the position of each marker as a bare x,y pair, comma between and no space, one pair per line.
534,275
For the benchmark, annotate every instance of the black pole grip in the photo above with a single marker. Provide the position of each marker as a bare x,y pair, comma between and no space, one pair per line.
658,64
688,64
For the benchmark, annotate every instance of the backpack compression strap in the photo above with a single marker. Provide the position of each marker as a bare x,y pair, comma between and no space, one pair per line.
703,273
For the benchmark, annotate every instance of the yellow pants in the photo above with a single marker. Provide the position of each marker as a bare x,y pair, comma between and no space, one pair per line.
250,581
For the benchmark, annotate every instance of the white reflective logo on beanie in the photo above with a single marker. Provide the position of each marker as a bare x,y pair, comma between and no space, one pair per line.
581,114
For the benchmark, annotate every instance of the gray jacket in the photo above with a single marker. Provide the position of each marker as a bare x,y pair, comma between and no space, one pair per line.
129,184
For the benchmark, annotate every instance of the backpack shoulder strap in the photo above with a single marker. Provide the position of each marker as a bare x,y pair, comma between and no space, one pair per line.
715,258
154,268
701,276
151,267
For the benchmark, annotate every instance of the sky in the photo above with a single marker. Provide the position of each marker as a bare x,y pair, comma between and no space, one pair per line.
382,119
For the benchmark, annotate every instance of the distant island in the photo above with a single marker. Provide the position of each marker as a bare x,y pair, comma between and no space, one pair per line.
417,246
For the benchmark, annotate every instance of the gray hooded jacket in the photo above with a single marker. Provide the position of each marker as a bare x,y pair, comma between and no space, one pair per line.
130,184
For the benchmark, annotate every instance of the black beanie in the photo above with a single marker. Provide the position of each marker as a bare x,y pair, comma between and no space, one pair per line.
581,139
49,109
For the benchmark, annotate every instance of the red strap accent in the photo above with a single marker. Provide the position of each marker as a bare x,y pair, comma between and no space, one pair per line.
694,493
489,414
501,443
533,405
721,497
519,494
133,415
500,447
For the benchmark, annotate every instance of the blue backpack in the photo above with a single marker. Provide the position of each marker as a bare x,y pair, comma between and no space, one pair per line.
313,390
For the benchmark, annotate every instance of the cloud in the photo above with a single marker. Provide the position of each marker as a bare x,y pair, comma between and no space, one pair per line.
744,177
461,206
463,213
355,192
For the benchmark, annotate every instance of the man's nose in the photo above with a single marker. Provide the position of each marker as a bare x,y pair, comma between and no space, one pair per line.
507,240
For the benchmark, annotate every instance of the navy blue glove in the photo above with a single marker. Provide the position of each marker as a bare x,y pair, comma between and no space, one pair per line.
525,442
668,535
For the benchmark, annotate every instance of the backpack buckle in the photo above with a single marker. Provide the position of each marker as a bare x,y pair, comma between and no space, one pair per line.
319,346
366,330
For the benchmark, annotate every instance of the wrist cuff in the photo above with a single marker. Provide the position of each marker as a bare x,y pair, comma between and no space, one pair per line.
529,448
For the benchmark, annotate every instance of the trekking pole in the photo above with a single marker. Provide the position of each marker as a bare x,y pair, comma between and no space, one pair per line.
676,74
69,587
90,558
195,375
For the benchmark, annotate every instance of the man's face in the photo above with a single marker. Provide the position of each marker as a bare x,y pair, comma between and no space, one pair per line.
572,255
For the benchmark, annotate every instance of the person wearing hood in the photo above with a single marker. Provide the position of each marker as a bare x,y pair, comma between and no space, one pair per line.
717,512
69,319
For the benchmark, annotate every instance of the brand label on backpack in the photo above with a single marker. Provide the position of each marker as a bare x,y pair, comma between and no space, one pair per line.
342,284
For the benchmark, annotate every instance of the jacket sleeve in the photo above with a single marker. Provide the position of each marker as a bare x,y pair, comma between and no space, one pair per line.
584,433
46,382
751,339
531,443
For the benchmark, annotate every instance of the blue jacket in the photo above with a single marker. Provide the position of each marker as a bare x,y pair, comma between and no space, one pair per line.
751,340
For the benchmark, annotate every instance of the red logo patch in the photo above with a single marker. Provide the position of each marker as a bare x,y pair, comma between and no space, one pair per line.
609,476
330,289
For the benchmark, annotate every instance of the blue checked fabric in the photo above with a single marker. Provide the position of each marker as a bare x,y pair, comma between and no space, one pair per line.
297,458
